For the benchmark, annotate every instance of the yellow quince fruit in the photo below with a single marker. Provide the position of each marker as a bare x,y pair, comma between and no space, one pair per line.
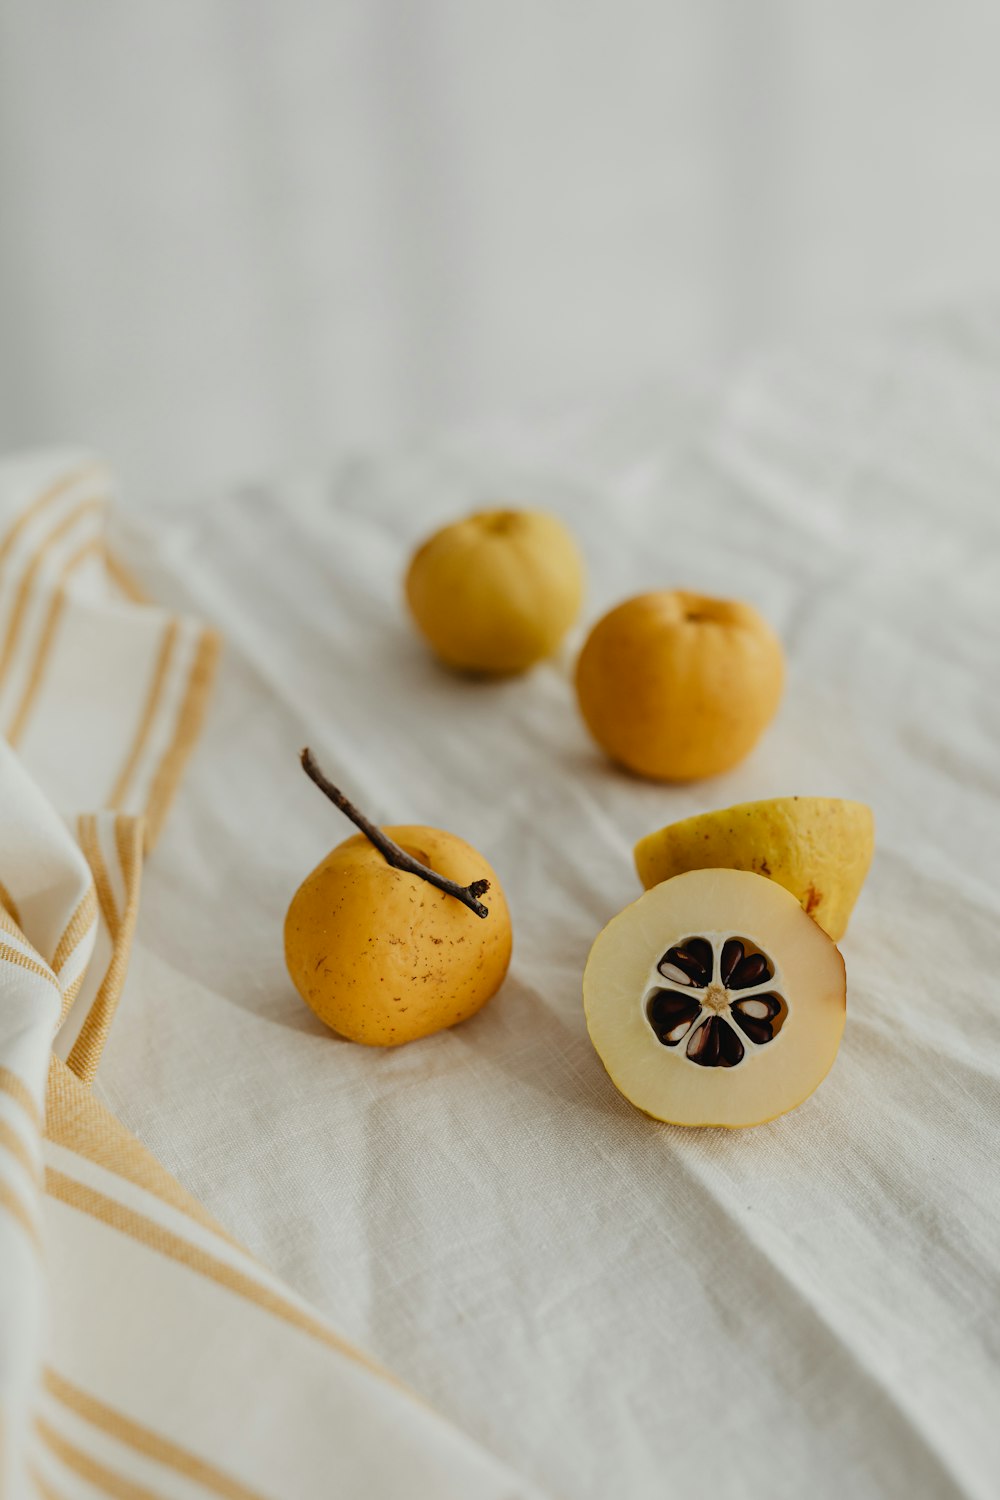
496,592
676,686
819,848
382,940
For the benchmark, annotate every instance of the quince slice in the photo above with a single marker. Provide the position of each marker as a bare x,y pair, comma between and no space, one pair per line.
714,1000
819,848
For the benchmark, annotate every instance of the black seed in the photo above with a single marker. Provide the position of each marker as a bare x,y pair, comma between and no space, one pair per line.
753,1004
703,1047
697,951
715,1045
669,1005
693,957
731,955
760,1029
670,1015
750,971
730,1047
673,973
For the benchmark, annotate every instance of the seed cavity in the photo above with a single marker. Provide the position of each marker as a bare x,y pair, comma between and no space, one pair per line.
760,1018
732,954
671,1015
692,960
715,1045
752,970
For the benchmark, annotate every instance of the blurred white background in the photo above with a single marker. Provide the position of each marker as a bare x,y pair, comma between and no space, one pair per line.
237,236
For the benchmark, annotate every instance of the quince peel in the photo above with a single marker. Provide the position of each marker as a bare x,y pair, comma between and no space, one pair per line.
496,592
818,848
388,940
675,685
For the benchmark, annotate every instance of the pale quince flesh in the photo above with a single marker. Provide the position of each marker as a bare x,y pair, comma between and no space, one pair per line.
714,1000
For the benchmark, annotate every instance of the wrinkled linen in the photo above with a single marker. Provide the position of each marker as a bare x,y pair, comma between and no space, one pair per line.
611,1305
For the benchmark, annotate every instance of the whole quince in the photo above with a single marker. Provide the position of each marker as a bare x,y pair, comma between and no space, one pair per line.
819,848
496,592
385,952
675,685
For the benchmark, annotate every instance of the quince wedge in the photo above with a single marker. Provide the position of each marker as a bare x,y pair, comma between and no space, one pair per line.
818,848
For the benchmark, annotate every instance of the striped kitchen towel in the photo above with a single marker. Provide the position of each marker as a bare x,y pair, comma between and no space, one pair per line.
143,1353
79,658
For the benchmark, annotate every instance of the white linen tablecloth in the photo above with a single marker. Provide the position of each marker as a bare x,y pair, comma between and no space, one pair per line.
612,1306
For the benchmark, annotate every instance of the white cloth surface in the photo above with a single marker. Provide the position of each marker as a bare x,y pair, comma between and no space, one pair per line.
613,1306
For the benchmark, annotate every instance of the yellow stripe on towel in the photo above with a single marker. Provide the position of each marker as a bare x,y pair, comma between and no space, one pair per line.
150,1444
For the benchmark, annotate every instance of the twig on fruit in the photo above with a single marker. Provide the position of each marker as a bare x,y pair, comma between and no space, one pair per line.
390,851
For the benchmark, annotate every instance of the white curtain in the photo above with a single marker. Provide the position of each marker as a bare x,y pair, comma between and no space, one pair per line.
235,236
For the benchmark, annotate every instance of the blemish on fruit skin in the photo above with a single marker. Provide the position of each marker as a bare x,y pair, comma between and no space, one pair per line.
813,899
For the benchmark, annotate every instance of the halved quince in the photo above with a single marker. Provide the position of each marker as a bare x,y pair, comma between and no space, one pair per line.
819,848
715,1000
